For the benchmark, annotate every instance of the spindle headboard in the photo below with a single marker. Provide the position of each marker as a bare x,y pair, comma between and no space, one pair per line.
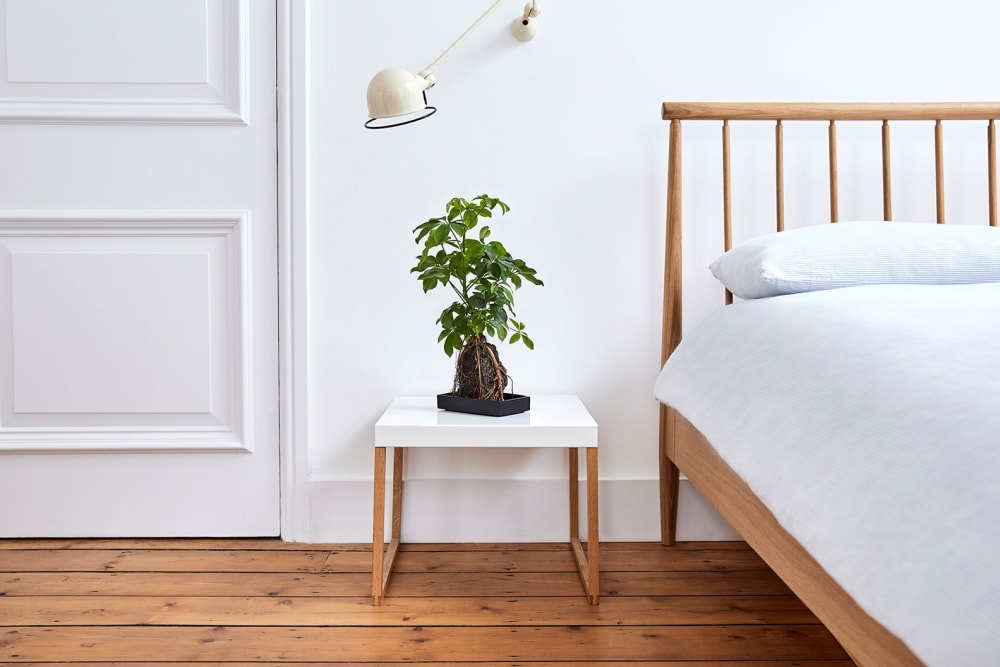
830,113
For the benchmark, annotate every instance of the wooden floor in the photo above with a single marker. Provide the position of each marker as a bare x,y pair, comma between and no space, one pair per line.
263,602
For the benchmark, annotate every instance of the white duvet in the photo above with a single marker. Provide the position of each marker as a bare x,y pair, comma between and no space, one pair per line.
868,420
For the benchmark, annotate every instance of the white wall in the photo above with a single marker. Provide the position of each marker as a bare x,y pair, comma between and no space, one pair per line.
566,129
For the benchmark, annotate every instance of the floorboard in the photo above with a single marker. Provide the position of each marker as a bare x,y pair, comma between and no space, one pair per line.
147,603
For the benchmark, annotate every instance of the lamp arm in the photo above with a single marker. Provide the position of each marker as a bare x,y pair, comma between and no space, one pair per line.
428,72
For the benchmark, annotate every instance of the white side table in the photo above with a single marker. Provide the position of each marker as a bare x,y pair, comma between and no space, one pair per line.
552,421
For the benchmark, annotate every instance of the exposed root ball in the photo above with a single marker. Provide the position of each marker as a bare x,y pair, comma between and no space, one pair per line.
478,371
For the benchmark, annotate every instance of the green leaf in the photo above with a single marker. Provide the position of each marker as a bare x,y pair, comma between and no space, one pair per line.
499,248
471,248
431,222
452,343
438,235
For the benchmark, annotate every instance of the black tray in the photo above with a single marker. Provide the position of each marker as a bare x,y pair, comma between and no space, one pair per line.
511,404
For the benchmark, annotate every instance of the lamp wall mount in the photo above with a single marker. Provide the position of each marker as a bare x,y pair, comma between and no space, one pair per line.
526,27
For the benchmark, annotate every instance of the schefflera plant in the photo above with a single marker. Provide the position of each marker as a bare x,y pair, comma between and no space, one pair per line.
458,254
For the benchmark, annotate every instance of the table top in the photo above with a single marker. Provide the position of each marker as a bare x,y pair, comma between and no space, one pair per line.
552,421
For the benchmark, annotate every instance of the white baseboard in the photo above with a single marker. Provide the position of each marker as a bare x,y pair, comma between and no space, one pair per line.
476,510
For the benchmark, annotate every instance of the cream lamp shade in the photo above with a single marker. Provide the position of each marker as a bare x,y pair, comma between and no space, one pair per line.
397,97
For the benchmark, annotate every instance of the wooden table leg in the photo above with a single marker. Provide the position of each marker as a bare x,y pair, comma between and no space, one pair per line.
586,563
383,559
593,529
397,497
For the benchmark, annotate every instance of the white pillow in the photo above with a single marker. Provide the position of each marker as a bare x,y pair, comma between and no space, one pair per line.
860,253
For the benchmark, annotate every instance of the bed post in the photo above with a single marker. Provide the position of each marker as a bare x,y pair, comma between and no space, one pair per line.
669,474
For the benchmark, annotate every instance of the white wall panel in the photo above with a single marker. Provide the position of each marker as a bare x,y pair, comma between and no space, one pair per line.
123,330
159,61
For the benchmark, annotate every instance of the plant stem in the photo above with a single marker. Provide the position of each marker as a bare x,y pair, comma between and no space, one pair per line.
458,292
463,294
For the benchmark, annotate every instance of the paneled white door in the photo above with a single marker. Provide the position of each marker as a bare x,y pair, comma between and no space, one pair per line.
138,268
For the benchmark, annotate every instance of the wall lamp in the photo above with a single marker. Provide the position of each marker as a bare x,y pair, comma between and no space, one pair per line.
396,97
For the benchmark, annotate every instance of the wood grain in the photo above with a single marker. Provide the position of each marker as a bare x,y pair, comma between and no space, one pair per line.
671,323
65,610
886,172
142,602
830,110
339,644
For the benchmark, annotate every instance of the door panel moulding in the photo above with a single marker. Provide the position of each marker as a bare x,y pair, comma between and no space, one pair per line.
197,399
128,81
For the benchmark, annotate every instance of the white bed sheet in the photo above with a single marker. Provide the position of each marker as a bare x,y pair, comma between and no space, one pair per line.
868,420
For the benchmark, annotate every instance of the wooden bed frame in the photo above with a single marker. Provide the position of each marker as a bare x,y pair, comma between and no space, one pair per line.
684,449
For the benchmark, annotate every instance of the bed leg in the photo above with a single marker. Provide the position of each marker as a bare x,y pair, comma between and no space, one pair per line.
669,482
669,479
